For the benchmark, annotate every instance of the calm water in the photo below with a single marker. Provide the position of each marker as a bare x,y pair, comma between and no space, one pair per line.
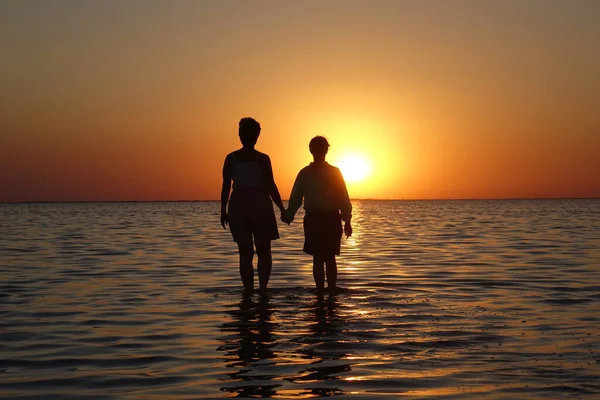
441,299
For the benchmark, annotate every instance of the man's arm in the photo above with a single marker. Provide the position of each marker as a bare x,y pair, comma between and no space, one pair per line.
295,197
345,204
225,189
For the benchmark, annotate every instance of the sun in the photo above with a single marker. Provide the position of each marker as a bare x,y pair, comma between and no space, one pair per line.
354,167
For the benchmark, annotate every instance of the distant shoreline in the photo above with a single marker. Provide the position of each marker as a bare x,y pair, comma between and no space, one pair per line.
356,199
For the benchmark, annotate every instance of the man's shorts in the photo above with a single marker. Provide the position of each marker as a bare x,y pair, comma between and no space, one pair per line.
322,233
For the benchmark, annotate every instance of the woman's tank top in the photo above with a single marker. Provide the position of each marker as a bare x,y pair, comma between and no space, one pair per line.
246,174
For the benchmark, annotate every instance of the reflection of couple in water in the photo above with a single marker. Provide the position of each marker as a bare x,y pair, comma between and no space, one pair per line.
252,347
250,213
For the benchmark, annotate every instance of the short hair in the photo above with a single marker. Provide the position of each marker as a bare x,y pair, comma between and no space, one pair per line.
318,145
249,130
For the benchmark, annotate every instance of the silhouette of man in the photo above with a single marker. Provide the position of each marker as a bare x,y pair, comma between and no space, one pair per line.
327,203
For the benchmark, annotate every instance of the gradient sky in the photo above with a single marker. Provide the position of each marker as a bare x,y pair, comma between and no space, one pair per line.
140,99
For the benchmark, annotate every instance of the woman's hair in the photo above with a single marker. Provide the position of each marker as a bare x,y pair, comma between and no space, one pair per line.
249,131
318,145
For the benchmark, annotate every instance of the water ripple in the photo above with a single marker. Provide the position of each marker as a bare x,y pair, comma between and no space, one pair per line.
443,299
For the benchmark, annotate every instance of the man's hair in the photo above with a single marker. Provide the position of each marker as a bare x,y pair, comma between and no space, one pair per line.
318,145
249,130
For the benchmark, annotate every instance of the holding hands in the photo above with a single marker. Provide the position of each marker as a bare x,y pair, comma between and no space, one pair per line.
284,216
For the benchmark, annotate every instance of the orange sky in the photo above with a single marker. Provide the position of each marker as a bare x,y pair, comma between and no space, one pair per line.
140,100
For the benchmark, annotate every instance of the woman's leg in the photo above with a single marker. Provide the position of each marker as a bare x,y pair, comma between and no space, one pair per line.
319,273
246,249
331,272
265,263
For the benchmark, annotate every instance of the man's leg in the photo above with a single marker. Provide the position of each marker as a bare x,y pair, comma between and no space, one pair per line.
319,273
331,272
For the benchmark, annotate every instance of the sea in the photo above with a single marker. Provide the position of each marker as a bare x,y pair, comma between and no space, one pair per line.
496,299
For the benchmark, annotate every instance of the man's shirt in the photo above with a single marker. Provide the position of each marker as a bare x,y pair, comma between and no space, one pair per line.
323,188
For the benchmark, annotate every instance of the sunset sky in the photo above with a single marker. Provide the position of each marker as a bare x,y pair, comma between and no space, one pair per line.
140,99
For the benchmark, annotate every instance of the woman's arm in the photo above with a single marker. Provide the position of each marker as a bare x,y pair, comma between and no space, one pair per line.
265,163
225,189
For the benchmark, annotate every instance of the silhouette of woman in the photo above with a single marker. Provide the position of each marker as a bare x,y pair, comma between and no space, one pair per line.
250,215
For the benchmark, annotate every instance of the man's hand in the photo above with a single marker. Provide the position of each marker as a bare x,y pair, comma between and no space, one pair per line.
348,229
224,220
284,217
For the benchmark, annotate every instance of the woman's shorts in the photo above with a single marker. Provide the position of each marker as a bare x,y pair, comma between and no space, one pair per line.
322,233
251,216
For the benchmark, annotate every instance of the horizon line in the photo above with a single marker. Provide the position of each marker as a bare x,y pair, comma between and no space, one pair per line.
352,199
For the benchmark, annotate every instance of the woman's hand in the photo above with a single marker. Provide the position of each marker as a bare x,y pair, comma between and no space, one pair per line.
224,220
284,217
